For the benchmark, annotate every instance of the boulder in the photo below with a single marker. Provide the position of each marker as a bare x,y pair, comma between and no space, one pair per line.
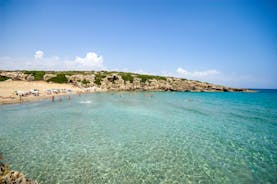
30,77
13,177
48,76
15,75
84,80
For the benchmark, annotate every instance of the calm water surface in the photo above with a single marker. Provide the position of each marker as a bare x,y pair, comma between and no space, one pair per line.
135,138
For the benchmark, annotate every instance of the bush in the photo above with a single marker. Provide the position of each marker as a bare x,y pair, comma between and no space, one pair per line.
3,78
85,81
144,78
127,77
99,77
60,78
73,72
38,75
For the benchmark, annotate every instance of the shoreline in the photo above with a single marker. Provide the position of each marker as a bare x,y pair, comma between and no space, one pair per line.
8,96
33,99
16,92
8,91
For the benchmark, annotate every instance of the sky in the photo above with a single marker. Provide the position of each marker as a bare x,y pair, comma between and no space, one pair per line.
228,42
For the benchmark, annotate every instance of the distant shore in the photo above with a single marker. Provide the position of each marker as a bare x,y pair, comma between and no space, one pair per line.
9,90
22,86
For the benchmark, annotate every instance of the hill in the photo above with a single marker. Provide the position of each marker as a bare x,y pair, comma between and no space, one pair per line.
117,81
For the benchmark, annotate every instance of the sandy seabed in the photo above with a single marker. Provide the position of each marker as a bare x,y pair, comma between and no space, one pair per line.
8,88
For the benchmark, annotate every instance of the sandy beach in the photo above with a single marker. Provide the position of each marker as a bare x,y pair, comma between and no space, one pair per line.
8,88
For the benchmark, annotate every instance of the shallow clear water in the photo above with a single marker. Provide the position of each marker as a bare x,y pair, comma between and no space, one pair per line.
135,138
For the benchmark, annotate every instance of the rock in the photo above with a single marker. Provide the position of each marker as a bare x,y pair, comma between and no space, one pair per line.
13,177
75,78
15,75
48,76
2,169
82,80
113,82
30,78
112,78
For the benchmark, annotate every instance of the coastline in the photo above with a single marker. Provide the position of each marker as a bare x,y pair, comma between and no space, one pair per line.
8,88
8,94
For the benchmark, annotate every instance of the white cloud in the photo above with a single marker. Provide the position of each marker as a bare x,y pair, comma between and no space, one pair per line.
138,71
205,76
90,60
196,74
227,79
39,54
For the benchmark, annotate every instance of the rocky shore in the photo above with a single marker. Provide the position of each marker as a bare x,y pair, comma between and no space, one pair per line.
8,176
117,81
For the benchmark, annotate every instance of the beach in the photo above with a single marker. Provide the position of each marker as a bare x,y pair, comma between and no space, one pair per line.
8,88
136,92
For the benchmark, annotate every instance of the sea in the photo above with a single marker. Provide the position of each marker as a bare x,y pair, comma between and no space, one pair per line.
144,137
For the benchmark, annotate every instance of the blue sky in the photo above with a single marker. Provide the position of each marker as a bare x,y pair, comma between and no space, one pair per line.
221,41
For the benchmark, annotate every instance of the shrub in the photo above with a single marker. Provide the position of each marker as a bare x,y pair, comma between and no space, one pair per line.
38,75
127,77
99,77
159,77
72,72
3,78
60,78
144,78
85,81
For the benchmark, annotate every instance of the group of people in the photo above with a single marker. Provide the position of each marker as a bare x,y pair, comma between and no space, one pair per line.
34,92
57,91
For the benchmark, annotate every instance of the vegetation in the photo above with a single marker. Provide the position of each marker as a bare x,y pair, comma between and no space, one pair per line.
127,77
3,78
73,72
144,78
99,76
60,78
85,81
38,75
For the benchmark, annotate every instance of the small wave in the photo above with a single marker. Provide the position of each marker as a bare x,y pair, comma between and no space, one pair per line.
85,102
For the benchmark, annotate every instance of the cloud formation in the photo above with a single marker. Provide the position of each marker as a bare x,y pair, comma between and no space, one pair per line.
217,77
39,54
196,74
91,61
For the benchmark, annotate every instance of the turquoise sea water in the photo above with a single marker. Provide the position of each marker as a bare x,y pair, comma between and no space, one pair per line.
169,138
